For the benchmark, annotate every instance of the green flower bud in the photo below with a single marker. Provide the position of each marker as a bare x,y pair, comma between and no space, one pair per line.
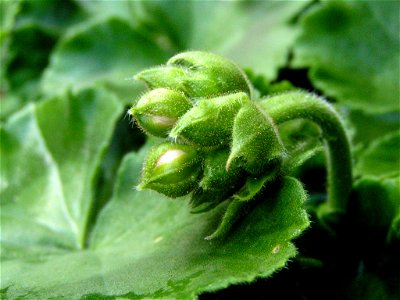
198,74
157,111
255,141
209,123
171,169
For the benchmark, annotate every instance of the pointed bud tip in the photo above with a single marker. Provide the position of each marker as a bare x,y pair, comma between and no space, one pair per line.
143,76
228,162
137,76
140,187
131,111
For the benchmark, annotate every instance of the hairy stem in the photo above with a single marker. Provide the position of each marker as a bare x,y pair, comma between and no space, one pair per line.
300,105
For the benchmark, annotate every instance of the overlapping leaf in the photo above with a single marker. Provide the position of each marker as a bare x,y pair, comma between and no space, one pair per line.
49,157
381,158
353,50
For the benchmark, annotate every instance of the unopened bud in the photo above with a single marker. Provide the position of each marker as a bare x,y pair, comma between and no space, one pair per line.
209,123
171,169
198,75
158,110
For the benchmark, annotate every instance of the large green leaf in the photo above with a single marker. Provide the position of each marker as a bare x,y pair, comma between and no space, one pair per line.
147,246
49,157
255,34
352,48
381,158
110,51
366,127
377,205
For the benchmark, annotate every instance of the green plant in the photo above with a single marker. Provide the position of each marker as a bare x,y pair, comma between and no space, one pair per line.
238,136
74,225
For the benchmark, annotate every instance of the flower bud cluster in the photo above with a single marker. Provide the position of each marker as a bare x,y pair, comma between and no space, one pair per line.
215,136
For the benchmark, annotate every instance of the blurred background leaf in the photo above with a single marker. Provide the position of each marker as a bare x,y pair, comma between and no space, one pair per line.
352,49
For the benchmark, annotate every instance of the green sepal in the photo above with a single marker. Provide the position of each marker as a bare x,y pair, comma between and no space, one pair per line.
255,185
198,74
203,200
209,123
158,110
232,214
255,141
215,176
171,169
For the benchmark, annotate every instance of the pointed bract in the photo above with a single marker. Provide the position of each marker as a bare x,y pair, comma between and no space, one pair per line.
255,141
216,176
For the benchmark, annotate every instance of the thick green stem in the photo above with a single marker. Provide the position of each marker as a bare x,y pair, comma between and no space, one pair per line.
300,105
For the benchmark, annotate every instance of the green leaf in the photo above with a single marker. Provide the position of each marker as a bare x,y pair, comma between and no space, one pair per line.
162,21
49,15
352,48
377,203
24,68
145,245
381,158
50,154
33,25
110,52
7,20
366,127
254,34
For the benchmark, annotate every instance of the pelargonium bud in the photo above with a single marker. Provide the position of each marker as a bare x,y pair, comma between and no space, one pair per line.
255,141
209,123
198,74
171,169
158,110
